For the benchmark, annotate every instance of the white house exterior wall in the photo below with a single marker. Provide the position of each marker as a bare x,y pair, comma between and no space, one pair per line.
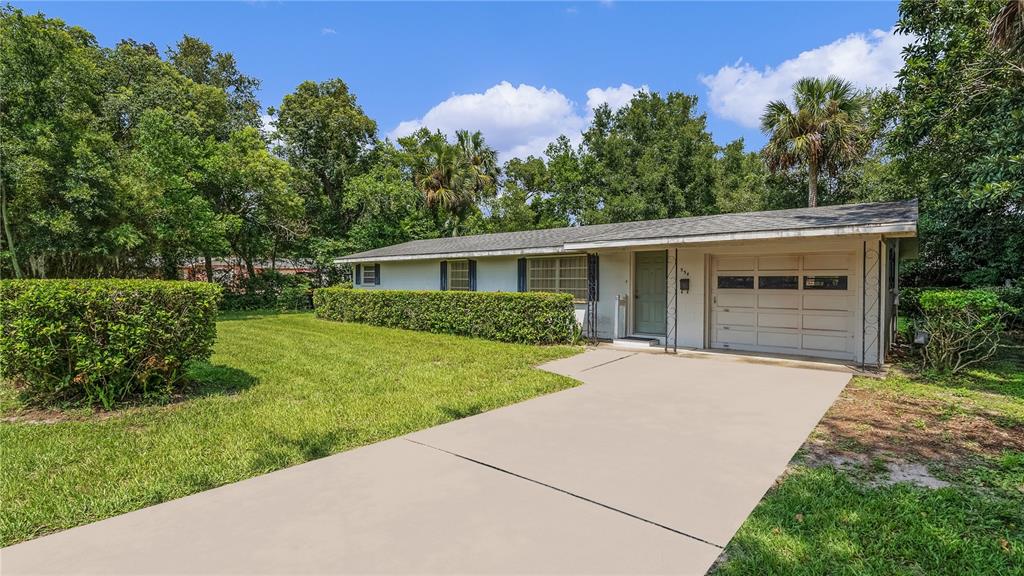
500,274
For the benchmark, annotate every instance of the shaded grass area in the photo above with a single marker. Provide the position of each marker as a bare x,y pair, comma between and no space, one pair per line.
280,389
828,518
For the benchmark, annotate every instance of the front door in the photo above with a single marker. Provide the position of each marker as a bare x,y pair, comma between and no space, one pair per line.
649,292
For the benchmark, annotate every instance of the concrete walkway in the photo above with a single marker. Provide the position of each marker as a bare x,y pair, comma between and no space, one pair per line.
649,467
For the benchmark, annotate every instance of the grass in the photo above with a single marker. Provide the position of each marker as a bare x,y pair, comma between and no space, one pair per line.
823,518
279,390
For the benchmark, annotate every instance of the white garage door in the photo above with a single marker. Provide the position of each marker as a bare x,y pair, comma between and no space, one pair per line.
800,304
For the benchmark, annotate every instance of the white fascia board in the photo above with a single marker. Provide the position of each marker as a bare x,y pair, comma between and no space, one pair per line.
452,255
900,229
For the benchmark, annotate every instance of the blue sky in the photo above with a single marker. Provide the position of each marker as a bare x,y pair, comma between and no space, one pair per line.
444,64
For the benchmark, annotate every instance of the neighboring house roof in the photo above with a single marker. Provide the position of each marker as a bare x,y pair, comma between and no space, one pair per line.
896,218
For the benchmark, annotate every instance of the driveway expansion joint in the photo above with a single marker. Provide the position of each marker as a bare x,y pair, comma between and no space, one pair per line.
566,492
630,355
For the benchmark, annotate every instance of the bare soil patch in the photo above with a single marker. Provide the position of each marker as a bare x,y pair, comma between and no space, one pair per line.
866,423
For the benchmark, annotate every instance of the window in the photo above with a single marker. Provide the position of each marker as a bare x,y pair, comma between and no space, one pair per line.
825,282
369,274
746,282
778,282
565,274
458,274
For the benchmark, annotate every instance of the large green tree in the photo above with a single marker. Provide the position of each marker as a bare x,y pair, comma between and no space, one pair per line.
958,142
197,61
325,135
823,132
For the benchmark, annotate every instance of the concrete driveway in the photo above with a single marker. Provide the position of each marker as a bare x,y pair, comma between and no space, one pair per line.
649,467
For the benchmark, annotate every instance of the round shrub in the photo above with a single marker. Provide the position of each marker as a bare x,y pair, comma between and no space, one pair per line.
102,341
526,317
964,327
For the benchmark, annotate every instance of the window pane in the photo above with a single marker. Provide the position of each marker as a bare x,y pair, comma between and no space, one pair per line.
564,274
458,274
778,282
825,282
736,282
543,273
369,275
572,276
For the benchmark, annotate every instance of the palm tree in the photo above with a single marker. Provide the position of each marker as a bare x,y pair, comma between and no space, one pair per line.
1007,31
825,130
482,158
454,177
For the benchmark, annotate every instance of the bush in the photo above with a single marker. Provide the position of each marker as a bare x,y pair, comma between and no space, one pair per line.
1013,297
528,317
103,341
270,290
964,327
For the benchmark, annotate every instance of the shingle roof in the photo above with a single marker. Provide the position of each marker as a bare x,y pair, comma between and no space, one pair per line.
647,231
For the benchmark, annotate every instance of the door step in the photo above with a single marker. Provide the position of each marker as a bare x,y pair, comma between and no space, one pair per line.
636,342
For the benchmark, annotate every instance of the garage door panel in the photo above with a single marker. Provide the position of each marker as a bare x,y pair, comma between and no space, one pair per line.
736,300
826,262
789,301
776,315
775,320
725,335
831,302
822,322
731,318
779,339
778,263
827,343
736,263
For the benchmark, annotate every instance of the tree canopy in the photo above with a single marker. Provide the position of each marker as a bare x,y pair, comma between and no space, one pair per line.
130,160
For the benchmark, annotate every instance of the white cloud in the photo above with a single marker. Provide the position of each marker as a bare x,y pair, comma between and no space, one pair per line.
328,31
614,97
517,121
740,92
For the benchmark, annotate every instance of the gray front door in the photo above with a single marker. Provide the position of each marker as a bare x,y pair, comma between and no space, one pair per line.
649,293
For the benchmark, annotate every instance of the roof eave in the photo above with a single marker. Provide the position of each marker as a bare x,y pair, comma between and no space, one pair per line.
898,229
357,259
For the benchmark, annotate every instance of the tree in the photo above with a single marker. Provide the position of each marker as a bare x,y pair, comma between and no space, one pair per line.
823,132
326,136
258,208
740,180
525,201
389,208
58,174
956,142
453,178
652,158
1007,31
197,61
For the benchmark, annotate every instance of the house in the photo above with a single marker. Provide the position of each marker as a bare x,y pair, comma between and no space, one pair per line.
232,271
816,282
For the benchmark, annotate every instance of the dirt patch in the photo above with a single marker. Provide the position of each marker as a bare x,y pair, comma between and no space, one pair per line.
866,423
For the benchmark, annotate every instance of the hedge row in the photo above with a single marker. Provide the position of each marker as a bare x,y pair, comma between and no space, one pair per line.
528,317
103,341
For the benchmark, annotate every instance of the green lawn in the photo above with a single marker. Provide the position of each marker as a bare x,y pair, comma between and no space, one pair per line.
279,390
826,519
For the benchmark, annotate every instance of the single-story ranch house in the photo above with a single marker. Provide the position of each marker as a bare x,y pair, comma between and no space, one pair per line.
808,282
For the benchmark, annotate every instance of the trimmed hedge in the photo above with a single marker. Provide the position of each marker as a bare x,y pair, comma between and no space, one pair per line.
527,317
103,341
